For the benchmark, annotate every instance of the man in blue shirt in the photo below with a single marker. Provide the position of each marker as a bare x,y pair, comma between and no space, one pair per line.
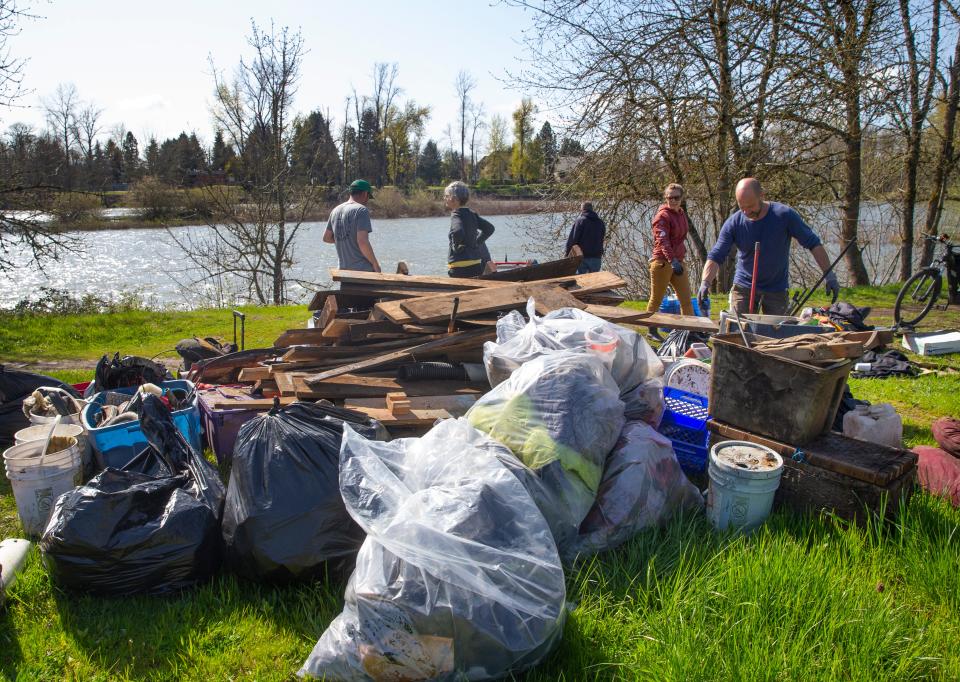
773,225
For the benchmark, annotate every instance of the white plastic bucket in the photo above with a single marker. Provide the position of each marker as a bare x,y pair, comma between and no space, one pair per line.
36,487
43,419
741,496
40,432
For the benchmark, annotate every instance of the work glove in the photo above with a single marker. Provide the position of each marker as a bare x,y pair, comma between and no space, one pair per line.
832,285
703,295
677,266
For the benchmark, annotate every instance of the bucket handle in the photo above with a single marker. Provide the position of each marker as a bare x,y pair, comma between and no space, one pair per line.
46,445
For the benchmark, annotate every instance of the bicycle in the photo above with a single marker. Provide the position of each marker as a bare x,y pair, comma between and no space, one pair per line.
919,294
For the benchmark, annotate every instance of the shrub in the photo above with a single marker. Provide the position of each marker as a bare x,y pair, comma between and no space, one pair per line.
157,199
72,207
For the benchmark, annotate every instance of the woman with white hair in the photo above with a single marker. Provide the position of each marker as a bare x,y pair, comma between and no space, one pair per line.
468,254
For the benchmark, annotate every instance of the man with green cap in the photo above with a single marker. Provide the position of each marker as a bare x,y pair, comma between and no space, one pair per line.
349,228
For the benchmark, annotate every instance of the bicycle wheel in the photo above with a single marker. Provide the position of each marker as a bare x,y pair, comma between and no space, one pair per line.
916,297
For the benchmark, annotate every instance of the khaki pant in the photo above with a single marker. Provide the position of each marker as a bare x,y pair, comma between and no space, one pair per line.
661,276
767,303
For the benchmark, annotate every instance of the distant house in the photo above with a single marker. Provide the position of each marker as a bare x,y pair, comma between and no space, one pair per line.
565,166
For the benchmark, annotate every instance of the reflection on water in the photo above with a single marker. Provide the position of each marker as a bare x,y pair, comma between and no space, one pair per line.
149,263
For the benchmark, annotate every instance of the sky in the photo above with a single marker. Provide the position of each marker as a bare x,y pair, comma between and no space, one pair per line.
146,63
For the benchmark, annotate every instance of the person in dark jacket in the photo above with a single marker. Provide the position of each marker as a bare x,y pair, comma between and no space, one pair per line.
587,232
468,254
670,229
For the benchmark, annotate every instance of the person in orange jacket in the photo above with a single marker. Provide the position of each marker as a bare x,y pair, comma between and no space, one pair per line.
670,228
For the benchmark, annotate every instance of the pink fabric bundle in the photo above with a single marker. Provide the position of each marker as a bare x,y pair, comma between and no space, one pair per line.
939,472
946,431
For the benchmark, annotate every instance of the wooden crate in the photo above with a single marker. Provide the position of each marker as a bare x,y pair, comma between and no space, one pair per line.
847,476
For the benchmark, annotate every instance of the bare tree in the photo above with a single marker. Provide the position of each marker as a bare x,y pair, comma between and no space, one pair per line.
911,102
464,85
252,237
22,227
946,159
86,128
476,125
61,113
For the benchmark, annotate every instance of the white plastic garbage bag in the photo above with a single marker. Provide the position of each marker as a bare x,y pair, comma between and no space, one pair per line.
458,578
560,414
633,361
643,486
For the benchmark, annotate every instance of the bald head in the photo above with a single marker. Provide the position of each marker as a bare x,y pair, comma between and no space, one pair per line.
750,198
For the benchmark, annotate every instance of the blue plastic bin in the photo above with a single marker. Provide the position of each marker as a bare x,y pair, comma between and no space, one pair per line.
684,422
116,445
671,304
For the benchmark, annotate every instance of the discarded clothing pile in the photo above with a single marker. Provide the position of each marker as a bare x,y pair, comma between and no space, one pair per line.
889,363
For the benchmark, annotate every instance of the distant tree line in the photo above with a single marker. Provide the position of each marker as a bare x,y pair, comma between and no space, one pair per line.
837,107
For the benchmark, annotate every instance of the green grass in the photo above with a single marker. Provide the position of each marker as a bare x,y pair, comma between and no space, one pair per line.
803,598
31,338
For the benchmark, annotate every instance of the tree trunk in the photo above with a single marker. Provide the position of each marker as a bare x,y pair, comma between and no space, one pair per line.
909,201
945,160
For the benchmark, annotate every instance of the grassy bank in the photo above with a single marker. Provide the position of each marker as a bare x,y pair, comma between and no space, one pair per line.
803,598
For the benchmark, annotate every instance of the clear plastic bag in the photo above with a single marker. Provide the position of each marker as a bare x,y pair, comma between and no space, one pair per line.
632,362
458,577
643,486
560,414
645,402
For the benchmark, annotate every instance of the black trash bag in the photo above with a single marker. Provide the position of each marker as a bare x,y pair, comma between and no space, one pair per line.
130,370
284,519
16,385
152,527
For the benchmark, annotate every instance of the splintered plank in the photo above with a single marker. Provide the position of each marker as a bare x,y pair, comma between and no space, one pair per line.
363,330
416,411
252,374
284,383
256,404
396,311
647,319
301,337
361,386
471,303
458,341
377,279
350,353
530,273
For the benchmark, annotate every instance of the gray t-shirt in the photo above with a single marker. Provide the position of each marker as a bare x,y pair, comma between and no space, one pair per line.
346,220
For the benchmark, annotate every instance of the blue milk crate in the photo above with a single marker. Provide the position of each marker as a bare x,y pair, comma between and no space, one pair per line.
118,444
685,424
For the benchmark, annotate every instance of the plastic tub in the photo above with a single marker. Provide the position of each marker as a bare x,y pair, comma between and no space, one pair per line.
116,445
784,400
37,486
43,420
744,477
221,425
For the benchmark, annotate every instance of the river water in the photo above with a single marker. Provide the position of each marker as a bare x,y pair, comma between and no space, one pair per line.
149,263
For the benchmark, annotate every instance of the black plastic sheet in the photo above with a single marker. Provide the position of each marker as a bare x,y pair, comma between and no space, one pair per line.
16,385
284,518
150,528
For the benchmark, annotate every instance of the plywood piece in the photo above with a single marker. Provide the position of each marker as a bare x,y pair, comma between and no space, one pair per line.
472,303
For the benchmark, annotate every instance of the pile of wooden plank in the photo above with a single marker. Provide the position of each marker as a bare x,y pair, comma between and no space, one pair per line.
376,323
